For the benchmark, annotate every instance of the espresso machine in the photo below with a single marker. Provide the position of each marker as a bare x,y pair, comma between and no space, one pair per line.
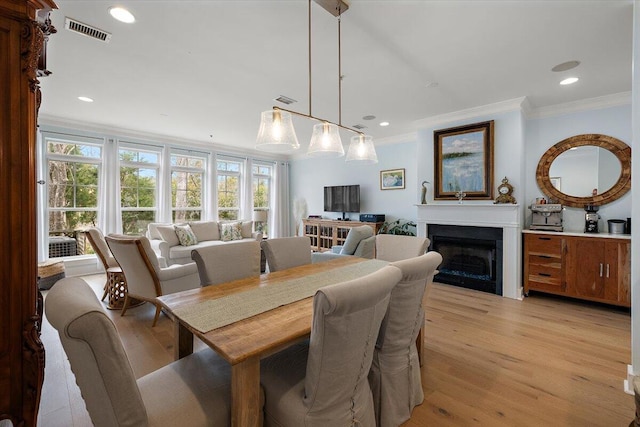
591,219
546,216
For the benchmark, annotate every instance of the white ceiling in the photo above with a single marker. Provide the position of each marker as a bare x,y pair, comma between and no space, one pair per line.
192,69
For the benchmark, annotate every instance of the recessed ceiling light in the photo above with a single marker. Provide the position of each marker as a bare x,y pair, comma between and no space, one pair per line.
85,99
569,81
384,123
565,66
122,15
370,117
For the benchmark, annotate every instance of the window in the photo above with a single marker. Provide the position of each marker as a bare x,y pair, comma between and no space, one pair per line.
74,173
229,174
138,188
187,177
261,183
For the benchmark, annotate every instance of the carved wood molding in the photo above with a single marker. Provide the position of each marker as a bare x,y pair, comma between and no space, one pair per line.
618,148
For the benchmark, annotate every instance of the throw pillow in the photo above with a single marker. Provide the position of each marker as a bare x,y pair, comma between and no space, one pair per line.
205,230
356,234
230,231
168,234
247,229
185,235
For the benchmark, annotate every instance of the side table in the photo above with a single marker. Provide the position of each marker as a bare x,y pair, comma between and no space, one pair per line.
117,289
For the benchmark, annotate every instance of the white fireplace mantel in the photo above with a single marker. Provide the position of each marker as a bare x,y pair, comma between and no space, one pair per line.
509,217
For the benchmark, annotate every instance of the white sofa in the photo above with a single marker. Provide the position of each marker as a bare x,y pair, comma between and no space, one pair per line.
166,244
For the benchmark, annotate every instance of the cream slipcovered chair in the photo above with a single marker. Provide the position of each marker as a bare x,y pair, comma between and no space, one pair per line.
392,247
325,382
224,263
146,279
96,238
360,242
193,391
287,252
395,372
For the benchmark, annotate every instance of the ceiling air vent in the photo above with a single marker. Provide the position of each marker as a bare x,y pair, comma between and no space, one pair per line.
359,126
285,100
86,30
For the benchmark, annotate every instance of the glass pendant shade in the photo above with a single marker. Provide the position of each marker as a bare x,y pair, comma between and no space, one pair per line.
276,133
361,149
325,141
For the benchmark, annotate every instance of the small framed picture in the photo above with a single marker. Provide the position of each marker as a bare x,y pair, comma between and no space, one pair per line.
392,179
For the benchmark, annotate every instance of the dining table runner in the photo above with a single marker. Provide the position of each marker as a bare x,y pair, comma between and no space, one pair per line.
208,315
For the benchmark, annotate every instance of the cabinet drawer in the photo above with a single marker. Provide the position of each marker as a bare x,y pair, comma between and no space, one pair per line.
545,244
549,261
542,273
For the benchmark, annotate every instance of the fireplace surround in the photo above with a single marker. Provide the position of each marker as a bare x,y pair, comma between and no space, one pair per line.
506,217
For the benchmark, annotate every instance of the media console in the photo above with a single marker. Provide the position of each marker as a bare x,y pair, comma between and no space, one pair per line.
325,233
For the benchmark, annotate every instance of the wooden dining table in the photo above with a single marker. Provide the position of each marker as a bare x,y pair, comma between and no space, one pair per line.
244,342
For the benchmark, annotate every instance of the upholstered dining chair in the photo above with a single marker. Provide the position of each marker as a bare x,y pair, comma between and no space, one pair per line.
392,247
193,391
395,371
96,239
224,263
325,382
360,242
146,279
286,252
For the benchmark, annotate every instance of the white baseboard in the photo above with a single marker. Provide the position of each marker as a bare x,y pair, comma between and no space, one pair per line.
628,383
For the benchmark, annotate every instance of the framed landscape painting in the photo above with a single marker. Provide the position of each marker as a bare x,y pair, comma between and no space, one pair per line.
392,179
464,162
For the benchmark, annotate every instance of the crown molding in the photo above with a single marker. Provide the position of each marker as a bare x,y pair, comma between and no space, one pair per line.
495,108
124,133
606,101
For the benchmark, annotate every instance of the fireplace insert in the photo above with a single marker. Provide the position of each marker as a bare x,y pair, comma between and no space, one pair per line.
471,256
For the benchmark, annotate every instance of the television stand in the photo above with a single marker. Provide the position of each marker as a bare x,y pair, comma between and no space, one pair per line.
325,233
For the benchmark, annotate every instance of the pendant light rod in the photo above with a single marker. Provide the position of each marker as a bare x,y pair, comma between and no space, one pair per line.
339,73
309,116
309,50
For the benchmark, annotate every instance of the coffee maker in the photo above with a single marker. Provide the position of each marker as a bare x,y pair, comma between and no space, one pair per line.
591,219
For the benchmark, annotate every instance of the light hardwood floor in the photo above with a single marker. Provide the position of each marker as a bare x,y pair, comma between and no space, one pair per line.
490,361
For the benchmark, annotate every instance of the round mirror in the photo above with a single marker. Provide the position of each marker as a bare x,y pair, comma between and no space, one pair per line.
589,169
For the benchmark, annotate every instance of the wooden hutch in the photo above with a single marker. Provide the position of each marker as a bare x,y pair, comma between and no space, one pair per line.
24,28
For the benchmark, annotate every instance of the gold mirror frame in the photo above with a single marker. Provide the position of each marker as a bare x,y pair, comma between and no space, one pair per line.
621,150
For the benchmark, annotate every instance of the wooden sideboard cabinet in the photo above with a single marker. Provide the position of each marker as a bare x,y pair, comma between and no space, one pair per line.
325,233
589,267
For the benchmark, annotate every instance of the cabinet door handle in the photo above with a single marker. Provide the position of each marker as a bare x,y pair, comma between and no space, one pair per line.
607,271
544,274
601,269
544,256
544,238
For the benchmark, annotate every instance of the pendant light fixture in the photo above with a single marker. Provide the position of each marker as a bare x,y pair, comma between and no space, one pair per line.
276,131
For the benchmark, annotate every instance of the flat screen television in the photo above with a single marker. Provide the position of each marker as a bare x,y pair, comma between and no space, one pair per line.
342,198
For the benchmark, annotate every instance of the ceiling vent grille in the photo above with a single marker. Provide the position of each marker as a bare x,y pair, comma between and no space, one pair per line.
359,126
86,30
285,100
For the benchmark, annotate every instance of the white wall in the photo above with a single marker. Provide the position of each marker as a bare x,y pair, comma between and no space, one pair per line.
543,133
508,149
309,176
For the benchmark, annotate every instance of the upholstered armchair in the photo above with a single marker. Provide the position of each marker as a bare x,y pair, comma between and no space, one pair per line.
325,382
146,279
193,391
96,238
360,242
